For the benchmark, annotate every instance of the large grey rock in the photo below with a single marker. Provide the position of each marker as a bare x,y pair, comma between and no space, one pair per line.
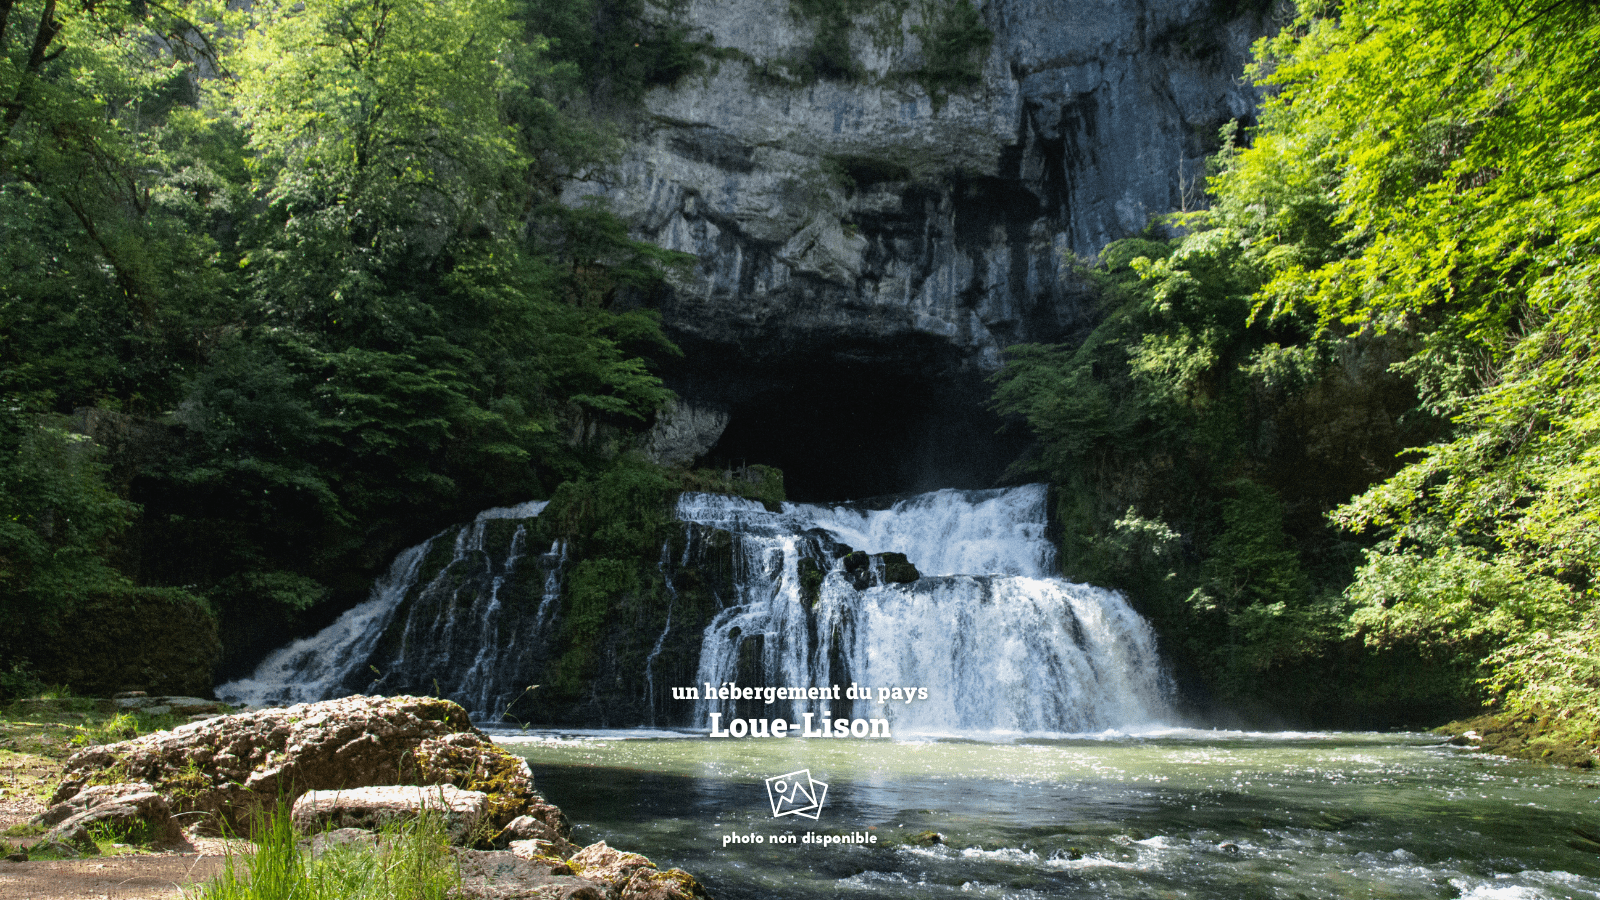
684,433
462,812
233,767
875,210
133,811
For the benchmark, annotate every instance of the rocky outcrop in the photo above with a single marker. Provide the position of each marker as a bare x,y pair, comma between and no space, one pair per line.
632,876
685,432
338,762
872,206
908,229
372,808
231,767
133,811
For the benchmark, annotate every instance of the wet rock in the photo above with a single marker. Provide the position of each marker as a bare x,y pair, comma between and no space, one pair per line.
863,570
897,569
927,838
374,807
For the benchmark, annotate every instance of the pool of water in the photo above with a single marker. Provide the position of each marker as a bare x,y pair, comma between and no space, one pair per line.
1173,814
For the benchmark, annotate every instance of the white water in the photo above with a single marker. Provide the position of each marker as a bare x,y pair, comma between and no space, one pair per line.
999,644
313,668
330,663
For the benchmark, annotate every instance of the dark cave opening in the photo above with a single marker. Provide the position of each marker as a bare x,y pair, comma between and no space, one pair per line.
850,430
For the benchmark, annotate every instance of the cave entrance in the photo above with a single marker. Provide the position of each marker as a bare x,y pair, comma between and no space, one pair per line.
850,430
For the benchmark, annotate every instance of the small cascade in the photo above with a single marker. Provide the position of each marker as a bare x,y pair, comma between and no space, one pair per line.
452,626
661,640
998,642
314,668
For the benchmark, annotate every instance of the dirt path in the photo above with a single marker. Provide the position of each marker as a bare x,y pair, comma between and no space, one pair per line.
144,877
34,739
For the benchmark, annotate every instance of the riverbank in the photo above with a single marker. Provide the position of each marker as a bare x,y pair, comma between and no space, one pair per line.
1539,737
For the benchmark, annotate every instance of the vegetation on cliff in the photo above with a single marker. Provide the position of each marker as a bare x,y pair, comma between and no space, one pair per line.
1412,225
284,289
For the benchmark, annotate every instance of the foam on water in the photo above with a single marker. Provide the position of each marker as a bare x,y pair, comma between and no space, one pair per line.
1000,643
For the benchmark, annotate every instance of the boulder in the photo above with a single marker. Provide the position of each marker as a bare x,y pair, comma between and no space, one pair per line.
598,862
234,767
536,837
132,809
374,807
502,875
470,761
673,884
632,876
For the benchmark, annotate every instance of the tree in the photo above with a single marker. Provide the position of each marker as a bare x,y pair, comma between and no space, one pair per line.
1455,147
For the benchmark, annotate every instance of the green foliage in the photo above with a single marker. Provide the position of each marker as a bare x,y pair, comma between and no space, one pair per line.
952,34
1421,197
614,51
56,516
410,859
757,482
1179,437
328,296
1452,151
954,44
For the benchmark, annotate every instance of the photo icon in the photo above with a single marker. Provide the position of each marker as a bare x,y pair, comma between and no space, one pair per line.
796,794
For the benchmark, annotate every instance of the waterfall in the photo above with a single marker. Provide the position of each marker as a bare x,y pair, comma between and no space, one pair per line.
999,643
448,626
812,595
312,668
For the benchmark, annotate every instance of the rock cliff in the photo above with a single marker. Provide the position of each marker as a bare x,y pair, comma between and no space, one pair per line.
900,212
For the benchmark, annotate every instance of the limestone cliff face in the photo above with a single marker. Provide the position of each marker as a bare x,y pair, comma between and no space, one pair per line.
846,221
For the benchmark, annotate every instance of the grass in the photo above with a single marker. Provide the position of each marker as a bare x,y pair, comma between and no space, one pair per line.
39,732
410,860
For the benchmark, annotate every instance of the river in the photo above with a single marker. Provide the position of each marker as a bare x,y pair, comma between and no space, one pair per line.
1166,814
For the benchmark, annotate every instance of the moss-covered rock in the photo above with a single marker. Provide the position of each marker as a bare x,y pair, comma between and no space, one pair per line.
1529,735
897,569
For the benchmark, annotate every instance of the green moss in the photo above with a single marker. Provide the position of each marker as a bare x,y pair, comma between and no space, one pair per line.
954,44
1534,735
897,569
811,576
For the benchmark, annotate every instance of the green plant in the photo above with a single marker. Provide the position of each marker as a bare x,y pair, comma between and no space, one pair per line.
954,43
112,839
408,860
120,727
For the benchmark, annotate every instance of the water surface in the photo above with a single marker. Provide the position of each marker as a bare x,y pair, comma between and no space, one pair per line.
1170,814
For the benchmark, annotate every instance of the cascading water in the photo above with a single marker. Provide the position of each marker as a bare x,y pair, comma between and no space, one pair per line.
458,632
999,642
758,598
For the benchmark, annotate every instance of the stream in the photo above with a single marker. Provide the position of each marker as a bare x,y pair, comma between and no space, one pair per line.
1172,813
